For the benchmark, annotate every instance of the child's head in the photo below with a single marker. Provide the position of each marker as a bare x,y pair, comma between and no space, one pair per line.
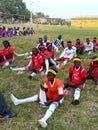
95,59
6,44
77,61
52,72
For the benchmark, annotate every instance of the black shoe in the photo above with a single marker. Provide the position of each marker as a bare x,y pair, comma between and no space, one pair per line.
12,65
8,114
75,102
29,77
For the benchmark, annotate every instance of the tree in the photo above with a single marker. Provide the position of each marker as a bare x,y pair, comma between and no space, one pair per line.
41,15
15,7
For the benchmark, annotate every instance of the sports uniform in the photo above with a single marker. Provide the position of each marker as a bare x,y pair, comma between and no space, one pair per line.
55,89
77,78
88,46
8,53
37,63
68,54
51,95
77,75
94,68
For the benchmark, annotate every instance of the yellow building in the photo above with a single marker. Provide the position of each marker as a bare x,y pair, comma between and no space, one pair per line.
84,22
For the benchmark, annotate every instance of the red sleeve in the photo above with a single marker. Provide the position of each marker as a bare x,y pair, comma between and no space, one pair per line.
46,53
11,50
83,73
41,60
71,69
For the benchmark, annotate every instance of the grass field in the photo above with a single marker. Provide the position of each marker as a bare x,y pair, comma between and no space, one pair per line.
67,117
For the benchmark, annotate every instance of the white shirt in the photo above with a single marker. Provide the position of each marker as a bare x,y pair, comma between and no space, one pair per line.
69,52
88,47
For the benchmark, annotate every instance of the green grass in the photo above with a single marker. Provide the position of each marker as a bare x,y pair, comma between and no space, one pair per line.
67,117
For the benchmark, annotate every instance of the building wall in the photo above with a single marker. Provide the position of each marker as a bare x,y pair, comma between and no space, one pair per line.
84,22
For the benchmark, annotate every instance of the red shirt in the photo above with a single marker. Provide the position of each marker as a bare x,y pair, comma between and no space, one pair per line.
2,58
95,68
38,62
95,44
77,74
51,53
8,52
79,45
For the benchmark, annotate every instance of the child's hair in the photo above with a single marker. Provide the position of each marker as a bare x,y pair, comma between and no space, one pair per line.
94,57
52,68
6,43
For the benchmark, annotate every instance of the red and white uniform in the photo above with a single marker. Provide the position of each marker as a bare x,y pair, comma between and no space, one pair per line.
68,53
37,62
95,68
95,45
51,54
77,74
54,90
9,53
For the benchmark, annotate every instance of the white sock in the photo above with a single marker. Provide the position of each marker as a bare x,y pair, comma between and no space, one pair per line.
65,62
47,65
52,61
19,69
42,96
30,62
24,54
77,93
33,74
21,101
49,112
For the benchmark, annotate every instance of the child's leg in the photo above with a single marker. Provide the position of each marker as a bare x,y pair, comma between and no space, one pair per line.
24,54
46,65
21,101
3,104
19,69
42,96
77,96
48,114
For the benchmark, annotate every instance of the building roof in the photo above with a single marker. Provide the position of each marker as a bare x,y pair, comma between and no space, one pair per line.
85,17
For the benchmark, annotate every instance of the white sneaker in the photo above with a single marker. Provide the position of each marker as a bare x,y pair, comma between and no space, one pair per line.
42,123
14,100
43,105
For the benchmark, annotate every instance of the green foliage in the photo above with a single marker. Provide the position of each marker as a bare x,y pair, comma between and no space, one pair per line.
14,7
41,15
67,117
